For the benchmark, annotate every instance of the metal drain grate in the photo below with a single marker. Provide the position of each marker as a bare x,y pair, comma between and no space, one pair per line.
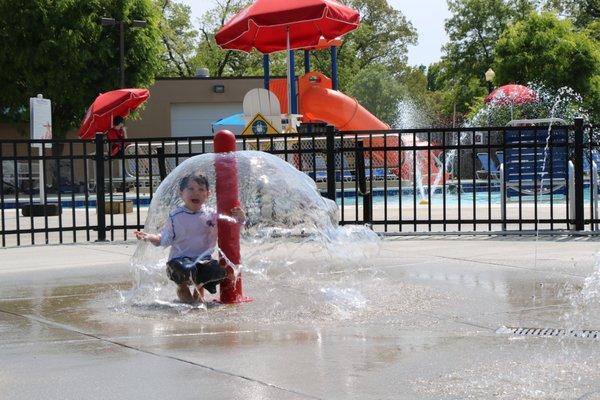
550,332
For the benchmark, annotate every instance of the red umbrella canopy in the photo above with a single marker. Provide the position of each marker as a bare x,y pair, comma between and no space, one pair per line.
99,116
264,25
511,94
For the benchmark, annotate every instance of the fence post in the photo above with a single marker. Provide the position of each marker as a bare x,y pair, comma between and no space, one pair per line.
330,149
162,169
578,154
100,205
359,162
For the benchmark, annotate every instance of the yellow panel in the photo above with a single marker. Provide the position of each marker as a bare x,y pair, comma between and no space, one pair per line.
259,125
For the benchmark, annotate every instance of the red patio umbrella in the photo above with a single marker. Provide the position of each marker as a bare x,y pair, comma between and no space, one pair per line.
274,25
99,116
266,25
511,94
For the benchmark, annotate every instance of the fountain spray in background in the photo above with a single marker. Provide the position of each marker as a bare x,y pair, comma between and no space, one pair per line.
501,109
563,103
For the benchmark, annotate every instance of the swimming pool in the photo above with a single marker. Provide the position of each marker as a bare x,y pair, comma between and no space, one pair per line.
452,199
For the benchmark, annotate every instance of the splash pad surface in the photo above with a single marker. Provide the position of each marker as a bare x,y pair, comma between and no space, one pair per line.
425,330
292,236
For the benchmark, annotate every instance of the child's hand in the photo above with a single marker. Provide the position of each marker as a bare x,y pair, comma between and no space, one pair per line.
239,214
140,235
147,237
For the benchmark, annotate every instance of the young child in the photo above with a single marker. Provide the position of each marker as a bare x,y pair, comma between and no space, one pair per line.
117,132
191,231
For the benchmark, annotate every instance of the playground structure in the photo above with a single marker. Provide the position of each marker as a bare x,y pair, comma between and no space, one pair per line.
318,102
314,98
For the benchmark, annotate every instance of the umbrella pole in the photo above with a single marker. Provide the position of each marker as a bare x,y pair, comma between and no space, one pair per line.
290,81
289,78
266,73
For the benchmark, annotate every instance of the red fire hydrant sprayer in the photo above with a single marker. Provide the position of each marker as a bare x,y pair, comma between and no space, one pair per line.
229,231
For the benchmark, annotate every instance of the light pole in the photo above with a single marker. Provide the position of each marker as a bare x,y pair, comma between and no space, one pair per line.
136,23
489,77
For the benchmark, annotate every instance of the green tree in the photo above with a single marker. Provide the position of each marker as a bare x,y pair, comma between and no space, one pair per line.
178,37
377,90
422,107
372,59
59,49
593,30
381,39
456,94
550,51
473,30
224,62
582,12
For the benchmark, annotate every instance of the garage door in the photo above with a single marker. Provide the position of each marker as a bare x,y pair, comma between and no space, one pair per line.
195,119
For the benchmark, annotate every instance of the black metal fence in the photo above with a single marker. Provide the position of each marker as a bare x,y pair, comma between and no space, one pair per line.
497,180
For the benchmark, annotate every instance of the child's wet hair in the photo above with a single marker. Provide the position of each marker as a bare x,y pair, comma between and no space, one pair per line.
198,178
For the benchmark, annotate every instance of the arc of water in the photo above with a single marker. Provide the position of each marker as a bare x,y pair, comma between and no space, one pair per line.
235,267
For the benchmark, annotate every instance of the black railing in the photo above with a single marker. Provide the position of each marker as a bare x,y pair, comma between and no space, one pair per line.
495,180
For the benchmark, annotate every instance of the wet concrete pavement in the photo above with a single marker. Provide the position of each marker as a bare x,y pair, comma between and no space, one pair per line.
424,327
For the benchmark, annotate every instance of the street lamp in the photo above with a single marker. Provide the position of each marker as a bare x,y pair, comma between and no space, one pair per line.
489,77
136,23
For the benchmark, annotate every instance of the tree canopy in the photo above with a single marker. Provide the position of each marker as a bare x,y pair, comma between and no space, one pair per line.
473,29
378,92
178,38
456,83
382,38
549,51
224,62
372,58
59,49
581,12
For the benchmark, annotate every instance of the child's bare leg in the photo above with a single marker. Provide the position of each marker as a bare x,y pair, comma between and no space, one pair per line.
199,294
183,293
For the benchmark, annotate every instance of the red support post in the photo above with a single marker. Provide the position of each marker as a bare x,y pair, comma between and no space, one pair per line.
228,198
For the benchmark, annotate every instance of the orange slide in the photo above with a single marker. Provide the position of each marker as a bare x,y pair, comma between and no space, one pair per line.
318,102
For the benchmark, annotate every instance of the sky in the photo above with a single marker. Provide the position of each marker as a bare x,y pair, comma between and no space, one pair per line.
426,16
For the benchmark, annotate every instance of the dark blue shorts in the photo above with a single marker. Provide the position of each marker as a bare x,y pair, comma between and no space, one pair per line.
186,270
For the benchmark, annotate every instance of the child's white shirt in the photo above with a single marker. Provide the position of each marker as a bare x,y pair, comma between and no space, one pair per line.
190,234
